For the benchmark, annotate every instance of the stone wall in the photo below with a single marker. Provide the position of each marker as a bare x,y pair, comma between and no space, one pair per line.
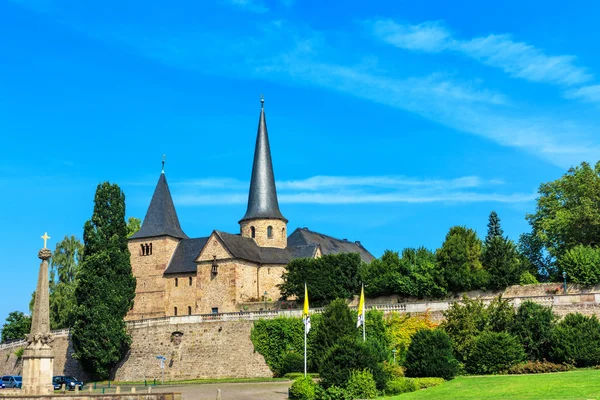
279,232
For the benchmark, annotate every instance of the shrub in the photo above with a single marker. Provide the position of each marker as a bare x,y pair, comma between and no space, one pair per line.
430,355
273,339
291,362
19,353
424,383
392,371
348,355
295,375
576,340
539,367
333,393
401,328
361,385
493,353
533,326
400,385
527,278
582,264
303,389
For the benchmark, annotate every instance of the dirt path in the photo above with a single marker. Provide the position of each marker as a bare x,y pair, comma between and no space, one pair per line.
232,391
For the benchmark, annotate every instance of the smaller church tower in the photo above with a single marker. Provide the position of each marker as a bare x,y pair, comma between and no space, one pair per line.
263,221
151,249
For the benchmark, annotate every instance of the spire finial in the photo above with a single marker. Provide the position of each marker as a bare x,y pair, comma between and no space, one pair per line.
262,101
164,157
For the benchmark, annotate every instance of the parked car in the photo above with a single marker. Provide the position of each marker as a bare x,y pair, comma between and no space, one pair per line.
69,381
2,384
12,381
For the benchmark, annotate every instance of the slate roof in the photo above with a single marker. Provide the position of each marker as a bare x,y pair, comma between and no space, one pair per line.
328,244
161,218
183,260
262,197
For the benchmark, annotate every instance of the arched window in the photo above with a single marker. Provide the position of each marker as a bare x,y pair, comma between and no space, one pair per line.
175,311
189,310
253,232
190,281
176,282
270,232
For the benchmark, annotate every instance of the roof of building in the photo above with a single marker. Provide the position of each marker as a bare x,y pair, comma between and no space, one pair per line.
328,244
262,197
183,260
161,218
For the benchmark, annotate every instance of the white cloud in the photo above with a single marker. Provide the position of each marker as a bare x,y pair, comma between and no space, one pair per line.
587,93
518,59
353,190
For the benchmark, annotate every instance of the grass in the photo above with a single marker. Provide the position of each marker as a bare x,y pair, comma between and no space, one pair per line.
573,385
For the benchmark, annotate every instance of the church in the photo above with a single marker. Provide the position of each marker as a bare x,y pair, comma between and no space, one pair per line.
177,275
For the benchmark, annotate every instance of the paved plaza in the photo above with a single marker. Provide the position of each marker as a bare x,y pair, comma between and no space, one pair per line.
232,391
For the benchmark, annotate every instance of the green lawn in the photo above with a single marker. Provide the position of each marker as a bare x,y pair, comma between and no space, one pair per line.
573,385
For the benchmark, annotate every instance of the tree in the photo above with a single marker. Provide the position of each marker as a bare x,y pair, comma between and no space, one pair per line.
106,286
576,340
460,260
17,326
65,264
333,276
533,327
430,355
568,211
535,258
582,264
133,225
384,275
494,353
494,228
502,261
337,322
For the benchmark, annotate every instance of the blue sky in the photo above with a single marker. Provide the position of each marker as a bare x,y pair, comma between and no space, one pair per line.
388,123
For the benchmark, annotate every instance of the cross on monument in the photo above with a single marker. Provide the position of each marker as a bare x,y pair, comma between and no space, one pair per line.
45,237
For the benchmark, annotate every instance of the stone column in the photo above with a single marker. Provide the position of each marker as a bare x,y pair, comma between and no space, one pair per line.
38,357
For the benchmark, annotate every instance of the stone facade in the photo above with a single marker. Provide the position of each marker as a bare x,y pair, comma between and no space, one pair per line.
150,291
278,229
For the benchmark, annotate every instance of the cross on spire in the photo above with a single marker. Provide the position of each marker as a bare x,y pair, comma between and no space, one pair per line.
45,237
164,157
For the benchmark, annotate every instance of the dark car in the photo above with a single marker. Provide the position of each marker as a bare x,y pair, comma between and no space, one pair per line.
12,381
69,381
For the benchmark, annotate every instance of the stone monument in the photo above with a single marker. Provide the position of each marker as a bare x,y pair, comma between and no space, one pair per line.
38,356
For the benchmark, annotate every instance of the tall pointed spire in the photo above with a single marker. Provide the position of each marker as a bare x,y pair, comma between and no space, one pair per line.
262,199
161,218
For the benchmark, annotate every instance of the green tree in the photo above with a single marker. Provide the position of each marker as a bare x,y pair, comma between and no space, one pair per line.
430,355
502,262
535,258
576,340
337,322
133,225
494,353
533,326
106,286
64,268
568,211
17,326
333,276
459,259
384,275
582,264
494,228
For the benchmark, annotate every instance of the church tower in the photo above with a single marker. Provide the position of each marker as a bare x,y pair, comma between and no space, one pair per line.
151,249
263,221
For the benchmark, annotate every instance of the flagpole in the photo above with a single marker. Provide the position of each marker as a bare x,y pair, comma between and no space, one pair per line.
305,350
364,316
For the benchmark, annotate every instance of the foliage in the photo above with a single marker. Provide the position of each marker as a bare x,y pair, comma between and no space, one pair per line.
274,338
467,319
502,261
459,259
533,326
333,393
361,385
291,362
567,212
106,286
494,228
329,277
337,323
294,375
17,326
535,258
19,352
400,385
413,274
401,328
494,353
539,367
133,225
392,371
65,264
582,264
430,355
303,388
424,383
347,355
576,340
527,278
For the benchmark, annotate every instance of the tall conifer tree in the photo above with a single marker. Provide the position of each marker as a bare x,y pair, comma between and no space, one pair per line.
494,228
106,286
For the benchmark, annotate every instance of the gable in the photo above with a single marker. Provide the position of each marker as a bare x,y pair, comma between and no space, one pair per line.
214,247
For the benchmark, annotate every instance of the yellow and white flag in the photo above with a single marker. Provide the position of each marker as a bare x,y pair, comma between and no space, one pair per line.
305,315
361,308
